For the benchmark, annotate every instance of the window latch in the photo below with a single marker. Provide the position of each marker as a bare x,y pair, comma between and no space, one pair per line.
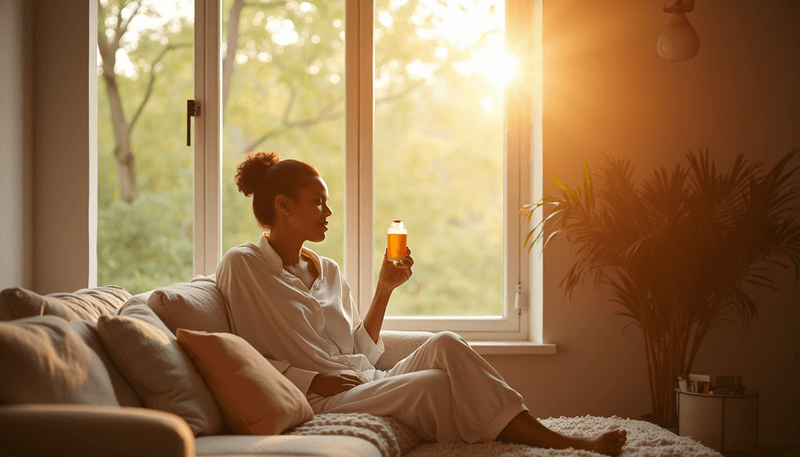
516,297
192,110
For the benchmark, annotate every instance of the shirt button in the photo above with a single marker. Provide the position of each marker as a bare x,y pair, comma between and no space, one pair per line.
319,313
325,335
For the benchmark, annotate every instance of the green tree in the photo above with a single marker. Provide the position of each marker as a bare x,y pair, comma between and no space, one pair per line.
114,20
283,91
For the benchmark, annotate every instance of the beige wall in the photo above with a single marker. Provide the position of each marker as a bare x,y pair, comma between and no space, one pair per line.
16,149
605,90
48,156
65,144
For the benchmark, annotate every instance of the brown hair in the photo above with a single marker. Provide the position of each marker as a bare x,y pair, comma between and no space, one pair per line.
264,176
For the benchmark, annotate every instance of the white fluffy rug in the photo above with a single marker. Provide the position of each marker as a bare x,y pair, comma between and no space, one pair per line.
644,440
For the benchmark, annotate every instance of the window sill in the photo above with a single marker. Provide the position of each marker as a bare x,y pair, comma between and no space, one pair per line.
511,347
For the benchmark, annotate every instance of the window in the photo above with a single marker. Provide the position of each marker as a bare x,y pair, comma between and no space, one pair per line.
145,169
412,109
284,91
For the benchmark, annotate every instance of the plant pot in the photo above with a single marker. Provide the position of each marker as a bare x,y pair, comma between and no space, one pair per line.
672,426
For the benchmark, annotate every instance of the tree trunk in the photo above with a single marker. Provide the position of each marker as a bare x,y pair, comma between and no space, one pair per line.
122,135
232,41
121,127
127,173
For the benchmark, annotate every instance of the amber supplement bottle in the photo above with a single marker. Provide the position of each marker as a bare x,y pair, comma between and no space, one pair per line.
397,239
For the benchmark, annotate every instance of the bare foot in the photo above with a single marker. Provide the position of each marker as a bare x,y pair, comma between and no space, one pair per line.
609,443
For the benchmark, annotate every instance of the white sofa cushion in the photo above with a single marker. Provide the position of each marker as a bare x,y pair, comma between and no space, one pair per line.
283,445
46,359
193,305
399,345
84,304
147,353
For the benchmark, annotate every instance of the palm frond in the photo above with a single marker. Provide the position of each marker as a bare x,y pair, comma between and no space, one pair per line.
679,251
587,188
561,185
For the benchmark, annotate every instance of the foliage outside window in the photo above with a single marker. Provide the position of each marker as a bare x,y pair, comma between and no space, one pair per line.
439,135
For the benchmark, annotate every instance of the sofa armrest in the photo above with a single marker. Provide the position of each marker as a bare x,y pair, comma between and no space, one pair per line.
398,345
90,430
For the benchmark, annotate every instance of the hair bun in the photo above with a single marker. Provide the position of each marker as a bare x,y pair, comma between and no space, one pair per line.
251,172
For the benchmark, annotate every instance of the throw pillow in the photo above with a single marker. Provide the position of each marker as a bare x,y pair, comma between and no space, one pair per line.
148,355
84,304
137,300
46,359
194,305
255,398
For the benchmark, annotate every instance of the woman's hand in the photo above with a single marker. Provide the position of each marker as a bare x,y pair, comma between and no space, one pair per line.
394,274
328,384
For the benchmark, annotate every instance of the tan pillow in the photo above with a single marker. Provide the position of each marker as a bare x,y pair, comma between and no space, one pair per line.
194,305
148,355
255,398
45,359
84,304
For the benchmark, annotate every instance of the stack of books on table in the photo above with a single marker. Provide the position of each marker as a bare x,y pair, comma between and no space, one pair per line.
711,383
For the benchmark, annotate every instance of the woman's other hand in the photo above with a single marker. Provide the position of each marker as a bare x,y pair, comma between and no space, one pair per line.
395,273
329,384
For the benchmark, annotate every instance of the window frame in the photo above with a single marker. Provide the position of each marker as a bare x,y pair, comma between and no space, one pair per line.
522,320
207,225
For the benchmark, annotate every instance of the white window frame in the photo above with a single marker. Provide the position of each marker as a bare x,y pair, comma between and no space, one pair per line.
207,229
522,320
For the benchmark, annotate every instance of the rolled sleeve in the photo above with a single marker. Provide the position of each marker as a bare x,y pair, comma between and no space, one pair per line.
297,376
365,345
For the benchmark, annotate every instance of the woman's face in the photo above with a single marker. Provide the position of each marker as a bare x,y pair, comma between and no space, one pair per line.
308,213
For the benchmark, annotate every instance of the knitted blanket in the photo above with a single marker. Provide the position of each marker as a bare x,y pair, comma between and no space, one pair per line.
391,437
395,439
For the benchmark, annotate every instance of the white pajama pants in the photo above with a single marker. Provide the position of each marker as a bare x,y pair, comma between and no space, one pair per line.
444,391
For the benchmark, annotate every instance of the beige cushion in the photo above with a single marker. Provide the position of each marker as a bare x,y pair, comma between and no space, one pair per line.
148,355
83,304
46,359
286,445
137,300
255,398
399,344
194,305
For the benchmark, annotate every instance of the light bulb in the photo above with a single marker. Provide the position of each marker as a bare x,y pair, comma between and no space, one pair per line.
678,40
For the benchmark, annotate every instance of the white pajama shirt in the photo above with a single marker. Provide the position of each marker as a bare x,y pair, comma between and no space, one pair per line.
444,390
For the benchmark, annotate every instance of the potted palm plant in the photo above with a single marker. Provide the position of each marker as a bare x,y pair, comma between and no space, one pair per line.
679,252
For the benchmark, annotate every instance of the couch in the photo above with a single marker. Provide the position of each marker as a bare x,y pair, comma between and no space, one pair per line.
101,372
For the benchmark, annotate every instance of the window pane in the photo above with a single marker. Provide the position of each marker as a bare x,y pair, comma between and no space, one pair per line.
144,222
283,92
439,150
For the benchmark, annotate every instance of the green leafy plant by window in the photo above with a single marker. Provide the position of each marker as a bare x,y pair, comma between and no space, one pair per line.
679,252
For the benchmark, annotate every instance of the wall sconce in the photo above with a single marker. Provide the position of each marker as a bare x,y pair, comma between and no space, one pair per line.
678,41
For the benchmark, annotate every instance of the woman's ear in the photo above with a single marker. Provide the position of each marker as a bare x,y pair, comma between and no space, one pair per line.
282,204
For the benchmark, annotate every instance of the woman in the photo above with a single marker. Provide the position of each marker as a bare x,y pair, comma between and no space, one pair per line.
295,308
